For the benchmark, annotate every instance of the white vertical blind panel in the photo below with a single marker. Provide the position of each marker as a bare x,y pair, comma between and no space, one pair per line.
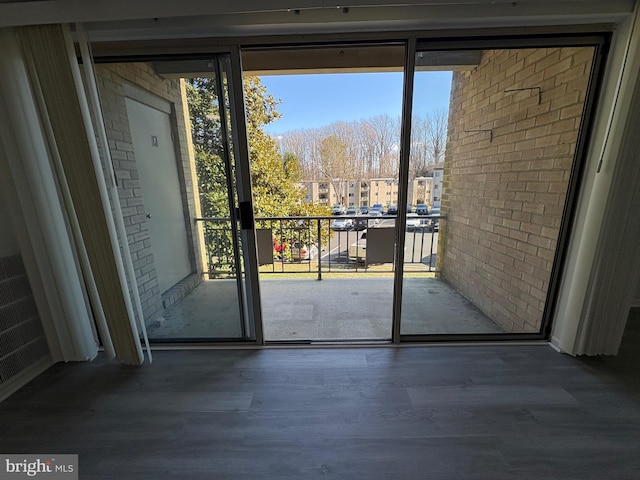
618,260
110,183
63,187
573,313
37,212
47,46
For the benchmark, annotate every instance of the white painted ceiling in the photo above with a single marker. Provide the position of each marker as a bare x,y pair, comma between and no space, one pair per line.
146,19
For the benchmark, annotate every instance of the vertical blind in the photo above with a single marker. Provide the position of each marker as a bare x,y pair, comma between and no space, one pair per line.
55,75
617,262
28,182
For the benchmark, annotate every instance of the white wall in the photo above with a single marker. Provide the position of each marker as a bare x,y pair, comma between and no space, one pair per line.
158,171
574,319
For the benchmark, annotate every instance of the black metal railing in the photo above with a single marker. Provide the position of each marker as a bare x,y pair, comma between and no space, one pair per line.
323,244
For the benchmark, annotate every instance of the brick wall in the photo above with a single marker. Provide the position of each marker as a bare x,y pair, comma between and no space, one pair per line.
504,196
111,79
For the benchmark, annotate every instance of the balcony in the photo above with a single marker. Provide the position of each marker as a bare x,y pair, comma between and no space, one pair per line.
353,301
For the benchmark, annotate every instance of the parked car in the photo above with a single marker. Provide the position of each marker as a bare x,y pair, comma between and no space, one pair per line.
377,207
413,221
421,209
392,210
358,249
375,216
342,224
426,224
364,210
409,209
435,222
360,223
303,252
339,209
352,211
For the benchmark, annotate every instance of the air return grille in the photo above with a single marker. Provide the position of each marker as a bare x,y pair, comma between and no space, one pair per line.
22,341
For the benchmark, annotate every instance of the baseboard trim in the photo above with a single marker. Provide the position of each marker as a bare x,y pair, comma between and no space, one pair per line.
18,381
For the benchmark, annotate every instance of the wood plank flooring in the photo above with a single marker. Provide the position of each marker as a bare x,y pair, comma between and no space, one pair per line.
434,412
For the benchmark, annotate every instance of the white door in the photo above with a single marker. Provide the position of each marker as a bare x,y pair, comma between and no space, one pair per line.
158,171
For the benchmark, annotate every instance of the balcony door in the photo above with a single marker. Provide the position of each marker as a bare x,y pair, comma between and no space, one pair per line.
490,181
324,144
178,143
435,208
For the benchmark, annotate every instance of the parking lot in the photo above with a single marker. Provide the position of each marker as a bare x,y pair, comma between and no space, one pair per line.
420,245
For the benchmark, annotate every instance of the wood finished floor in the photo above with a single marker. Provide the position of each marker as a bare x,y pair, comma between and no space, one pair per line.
477,412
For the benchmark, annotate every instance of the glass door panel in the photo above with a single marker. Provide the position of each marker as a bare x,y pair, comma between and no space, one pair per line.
170,135
489,175
324,128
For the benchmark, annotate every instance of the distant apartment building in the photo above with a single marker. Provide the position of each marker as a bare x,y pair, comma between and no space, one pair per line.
420,190
437,187
384,191
323,193
358,193
364,193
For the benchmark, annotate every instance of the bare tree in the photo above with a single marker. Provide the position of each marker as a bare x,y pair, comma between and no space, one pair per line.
347,133
367,141
419,153
370,147
386,139
297,143
428,143
336,167
437,135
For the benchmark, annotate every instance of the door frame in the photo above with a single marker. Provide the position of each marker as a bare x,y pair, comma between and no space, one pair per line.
600,42
597,36
236,148
252,310
403,185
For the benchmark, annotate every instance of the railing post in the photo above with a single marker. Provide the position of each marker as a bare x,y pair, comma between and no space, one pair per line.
320,249
433,234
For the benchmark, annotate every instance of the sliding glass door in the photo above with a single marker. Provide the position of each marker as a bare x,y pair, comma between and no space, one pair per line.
177,140
324,136
440,210
493,152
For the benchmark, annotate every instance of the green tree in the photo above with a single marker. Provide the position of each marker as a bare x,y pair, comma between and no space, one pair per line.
292,167
274,178
208,147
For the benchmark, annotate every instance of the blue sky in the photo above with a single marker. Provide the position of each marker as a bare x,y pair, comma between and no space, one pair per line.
310,101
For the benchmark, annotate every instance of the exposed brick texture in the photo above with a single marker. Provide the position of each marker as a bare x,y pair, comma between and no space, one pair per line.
111,78
504,190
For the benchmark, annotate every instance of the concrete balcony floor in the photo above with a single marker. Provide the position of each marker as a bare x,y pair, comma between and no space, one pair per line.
343,308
